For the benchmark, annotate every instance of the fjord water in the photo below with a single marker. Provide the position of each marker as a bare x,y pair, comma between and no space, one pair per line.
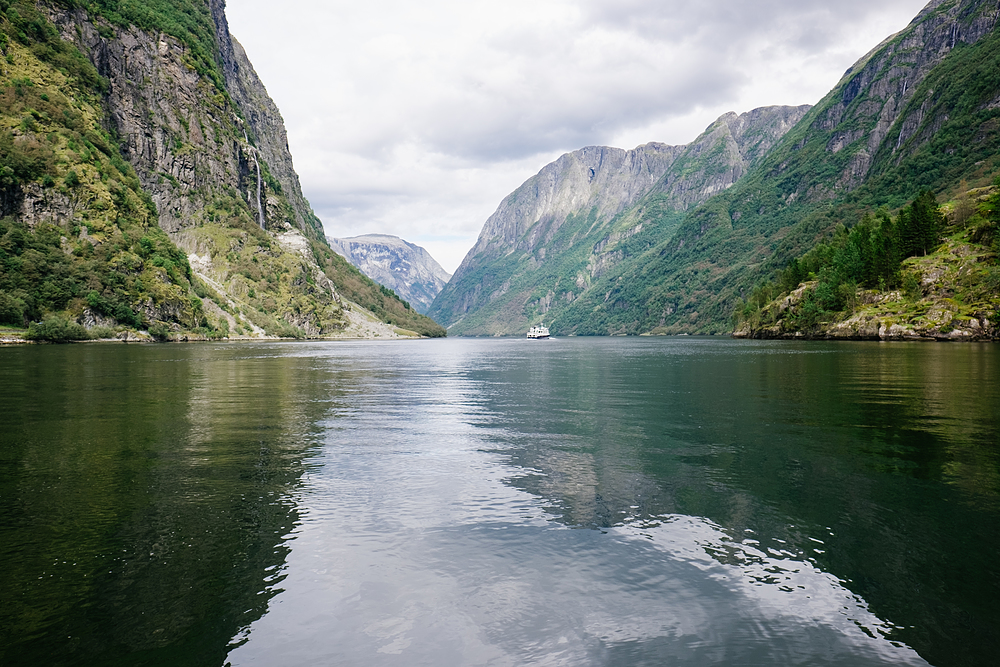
500,502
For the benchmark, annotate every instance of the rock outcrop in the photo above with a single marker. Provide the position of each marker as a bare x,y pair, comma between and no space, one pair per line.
929,311
403,267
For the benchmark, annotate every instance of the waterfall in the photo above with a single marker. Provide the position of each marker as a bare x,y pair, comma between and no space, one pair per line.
256,162
901,99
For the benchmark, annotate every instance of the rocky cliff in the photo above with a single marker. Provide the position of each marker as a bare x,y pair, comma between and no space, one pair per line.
175,96
562,229
403,267
264,119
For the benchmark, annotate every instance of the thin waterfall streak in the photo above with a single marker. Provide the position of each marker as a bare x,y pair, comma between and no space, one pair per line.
260,209
256,162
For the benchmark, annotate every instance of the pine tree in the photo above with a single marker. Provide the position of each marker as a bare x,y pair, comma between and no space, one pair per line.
885,253
919,225
927,222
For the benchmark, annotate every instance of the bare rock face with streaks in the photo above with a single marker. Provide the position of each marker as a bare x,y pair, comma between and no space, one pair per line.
880,113
216,164
403,267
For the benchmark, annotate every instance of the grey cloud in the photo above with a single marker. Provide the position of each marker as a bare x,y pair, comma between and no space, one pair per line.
524,125
738,21
556,102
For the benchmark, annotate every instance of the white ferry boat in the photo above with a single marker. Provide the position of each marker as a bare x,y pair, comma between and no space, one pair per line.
539,331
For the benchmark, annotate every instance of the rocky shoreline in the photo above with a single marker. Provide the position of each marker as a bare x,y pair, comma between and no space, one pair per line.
871,332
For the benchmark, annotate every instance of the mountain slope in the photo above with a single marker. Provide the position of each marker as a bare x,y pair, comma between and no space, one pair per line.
78,231
920,111
893,278
560,231
175,102
403,267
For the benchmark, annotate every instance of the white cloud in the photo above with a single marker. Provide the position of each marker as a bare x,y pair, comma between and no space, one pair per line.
416,119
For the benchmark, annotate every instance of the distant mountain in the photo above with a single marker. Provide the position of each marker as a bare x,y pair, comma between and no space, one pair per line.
403,267
550,239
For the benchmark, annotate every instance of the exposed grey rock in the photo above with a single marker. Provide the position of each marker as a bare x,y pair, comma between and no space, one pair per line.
403,267
265,120
38,205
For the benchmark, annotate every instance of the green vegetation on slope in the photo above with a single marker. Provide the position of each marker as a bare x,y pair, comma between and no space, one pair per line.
92,243
694,280
864,265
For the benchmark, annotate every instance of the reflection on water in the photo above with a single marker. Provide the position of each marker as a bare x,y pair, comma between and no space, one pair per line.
473,502
144,498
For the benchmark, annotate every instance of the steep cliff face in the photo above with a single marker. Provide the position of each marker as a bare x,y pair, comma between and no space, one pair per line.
403,267
177,117
565,227
215,193
264,119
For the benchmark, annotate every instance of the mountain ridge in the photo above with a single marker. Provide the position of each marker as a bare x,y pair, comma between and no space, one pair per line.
593,188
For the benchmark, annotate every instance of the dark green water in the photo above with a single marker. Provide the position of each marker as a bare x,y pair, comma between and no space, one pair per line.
500,502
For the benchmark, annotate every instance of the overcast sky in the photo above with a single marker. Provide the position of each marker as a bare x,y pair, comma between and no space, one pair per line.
416,118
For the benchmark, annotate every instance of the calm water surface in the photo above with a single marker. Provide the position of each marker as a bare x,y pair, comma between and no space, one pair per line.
500,502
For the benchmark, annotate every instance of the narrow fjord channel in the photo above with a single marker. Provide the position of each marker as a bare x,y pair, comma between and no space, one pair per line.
500,502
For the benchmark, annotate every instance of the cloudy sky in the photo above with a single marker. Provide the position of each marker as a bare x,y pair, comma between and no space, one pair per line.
417,118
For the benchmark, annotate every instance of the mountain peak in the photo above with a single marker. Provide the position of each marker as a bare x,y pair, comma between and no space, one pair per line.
403,267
